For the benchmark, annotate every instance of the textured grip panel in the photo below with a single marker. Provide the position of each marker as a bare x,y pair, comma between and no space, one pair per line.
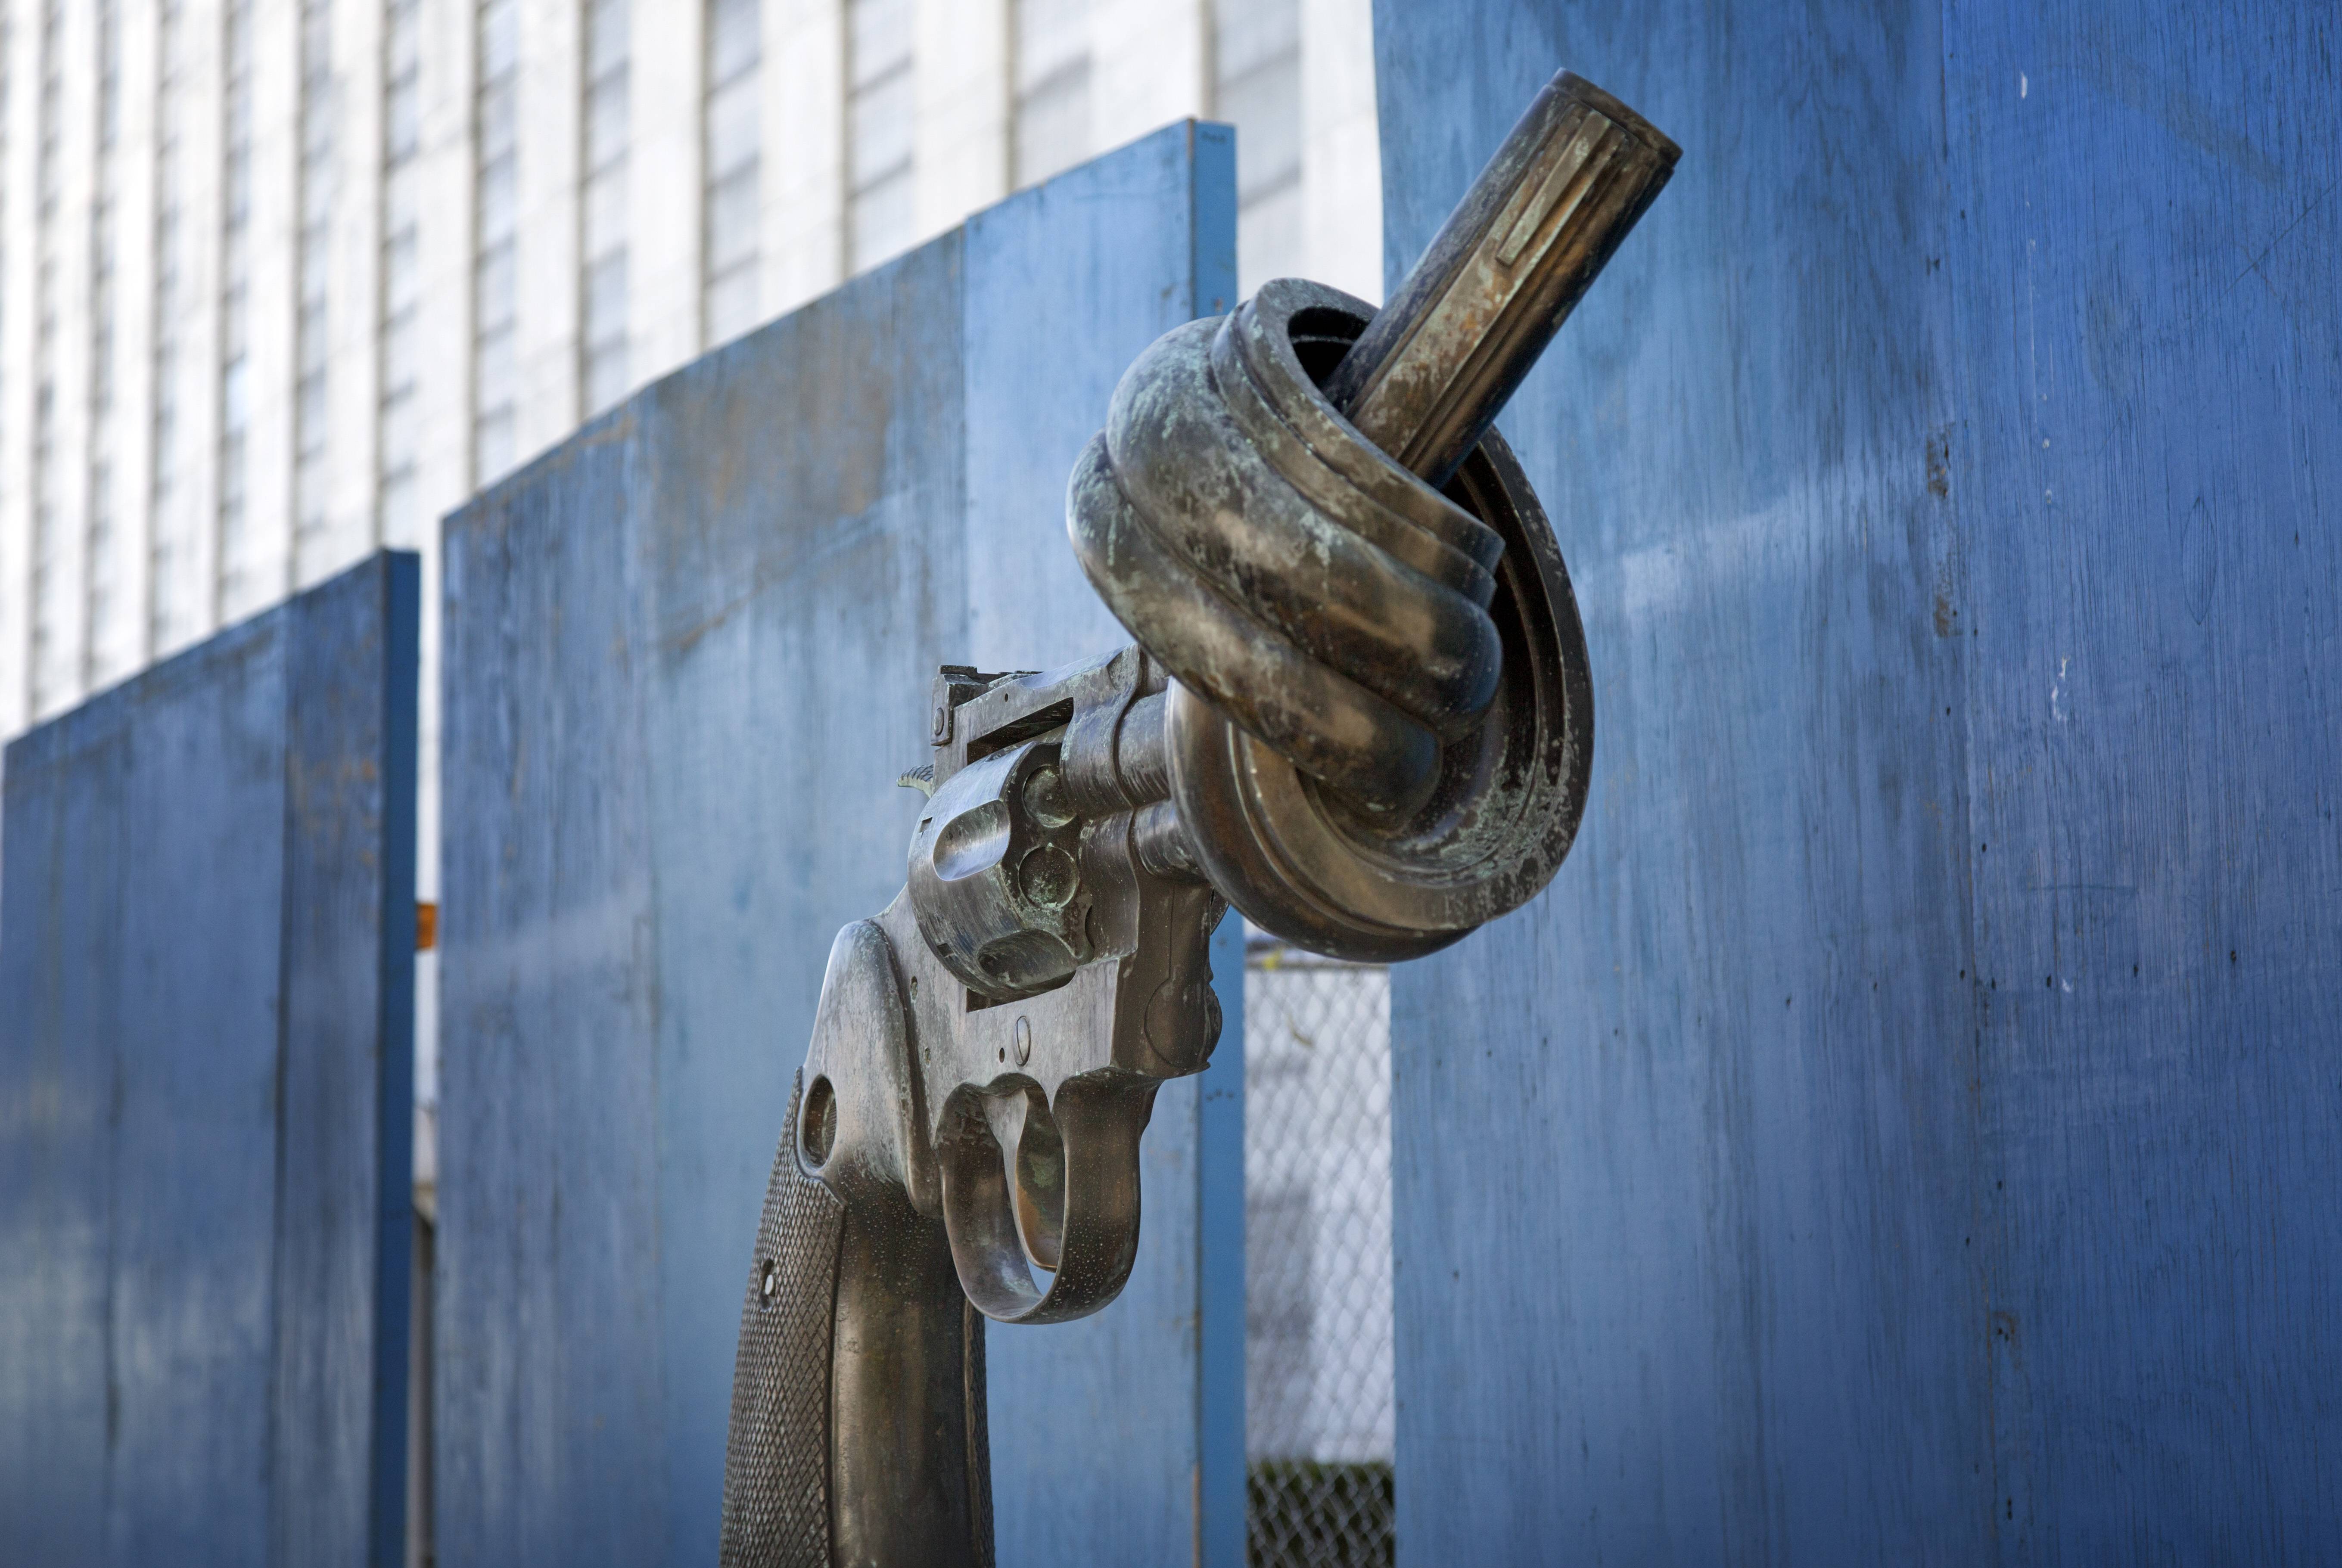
777,1462
979,1433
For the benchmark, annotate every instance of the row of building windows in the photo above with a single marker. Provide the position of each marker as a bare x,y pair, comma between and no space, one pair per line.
103,646
238,589
880,119
1051,69
173,616
107,588
495,282
50,653
733,157
312,416
398,399
609,90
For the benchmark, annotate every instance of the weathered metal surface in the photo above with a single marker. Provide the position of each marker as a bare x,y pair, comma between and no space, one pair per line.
1906,1133
942,1039
776,1482
1082,1456
206,985
987,1052
1332,615
1564,188
692,651
1372,748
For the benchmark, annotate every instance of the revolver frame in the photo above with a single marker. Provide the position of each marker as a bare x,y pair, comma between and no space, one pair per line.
1030,1078
958,1125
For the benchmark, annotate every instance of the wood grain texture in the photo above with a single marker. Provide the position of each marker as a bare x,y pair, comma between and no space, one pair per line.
1095,1428
547,1375
1869,1150
206,951
689,652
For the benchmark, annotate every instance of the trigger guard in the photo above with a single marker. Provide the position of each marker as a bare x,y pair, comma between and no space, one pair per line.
1099,1119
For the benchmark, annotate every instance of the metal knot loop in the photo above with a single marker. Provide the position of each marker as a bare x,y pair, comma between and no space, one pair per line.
1274,561
1381,729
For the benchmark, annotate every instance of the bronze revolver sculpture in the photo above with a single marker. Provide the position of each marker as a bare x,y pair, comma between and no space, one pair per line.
1357,709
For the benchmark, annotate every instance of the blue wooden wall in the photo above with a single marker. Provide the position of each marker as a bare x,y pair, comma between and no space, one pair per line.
1910,1129
688,654
207,1037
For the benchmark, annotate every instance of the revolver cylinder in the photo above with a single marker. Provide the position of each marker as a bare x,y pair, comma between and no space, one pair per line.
996,874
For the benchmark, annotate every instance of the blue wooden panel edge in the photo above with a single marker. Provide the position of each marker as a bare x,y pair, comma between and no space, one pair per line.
1220,1267
394,1075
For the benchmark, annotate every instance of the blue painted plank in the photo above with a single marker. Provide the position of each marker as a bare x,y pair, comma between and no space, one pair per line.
204,998
1762,1192
345,1087
546,1374
689,652
1108,256
1066,284
1221,1493
799,500
59,856
195,1051
1672,1283
2148,436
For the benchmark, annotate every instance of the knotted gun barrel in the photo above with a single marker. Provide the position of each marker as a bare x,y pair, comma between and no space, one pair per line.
1357,709
1382,732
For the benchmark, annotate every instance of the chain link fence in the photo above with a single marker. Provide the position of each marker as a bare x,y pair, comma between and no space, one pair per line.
1318,1259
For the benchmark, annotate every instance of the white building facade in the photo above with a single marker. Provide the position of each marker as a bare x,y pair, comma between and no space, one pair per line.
284,281
281,281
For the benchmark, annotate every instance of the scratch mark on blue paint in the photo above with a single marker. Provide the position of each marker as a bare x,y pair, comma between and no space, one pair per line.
2254,266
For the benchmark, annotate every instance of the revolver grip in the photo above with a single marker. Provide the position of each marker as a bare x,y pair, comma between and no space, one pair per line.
776,1463
857,1429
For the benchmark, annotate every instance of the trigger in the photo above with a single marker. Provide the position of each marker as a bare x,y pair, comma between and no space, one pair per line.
1006,1112
1033,1160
